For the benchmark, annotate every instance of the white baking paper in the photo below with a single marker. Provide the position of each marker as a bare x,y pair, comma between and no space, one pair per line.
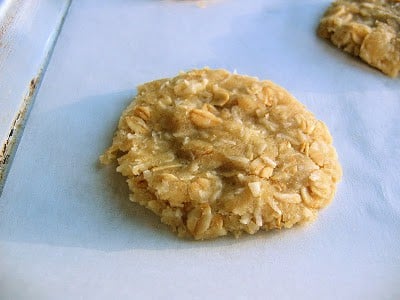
67,229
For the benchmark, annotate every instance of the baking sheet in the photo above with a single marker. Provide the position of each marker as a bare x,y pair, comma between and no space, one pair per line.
28,30
67,229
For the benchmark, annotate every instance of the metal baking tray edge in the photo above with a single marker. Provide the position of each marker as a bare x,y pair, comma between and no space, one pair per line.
33,25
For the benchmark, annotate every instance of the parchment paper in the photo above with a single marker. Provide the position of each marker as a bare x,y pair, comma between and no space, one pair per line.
67,229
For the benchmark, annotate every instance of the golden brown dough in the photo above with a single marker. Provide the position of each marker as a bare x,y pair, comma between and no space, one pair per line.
366,28
212,152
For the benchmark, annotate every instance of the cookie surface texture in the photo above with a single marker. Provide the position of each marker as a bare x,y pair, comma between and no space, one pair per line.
369,29
213,153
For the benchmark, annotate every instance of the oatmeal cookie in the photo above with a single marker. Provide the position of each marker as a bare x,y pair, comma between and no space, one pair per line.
212,152
369,29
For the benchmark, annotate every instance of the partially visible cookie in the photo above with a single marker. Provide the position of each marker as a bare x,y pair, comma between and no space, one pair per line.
212,152
369,29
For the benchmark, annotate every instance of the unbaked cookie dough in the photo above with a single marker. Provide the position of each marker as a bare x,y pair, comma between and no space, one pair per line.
366,28
213,153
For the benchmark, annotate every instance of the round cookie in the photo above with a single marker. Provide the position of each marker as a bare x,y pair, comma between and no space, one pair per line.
212,152
365,28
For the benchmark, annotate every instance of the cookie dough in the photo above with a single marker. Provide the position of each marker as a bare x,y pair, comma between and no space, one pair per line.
213,153
366,28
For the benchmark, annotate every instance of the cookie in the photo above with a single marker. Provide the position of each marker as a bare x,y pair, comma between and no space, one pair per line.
369,29
213,153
